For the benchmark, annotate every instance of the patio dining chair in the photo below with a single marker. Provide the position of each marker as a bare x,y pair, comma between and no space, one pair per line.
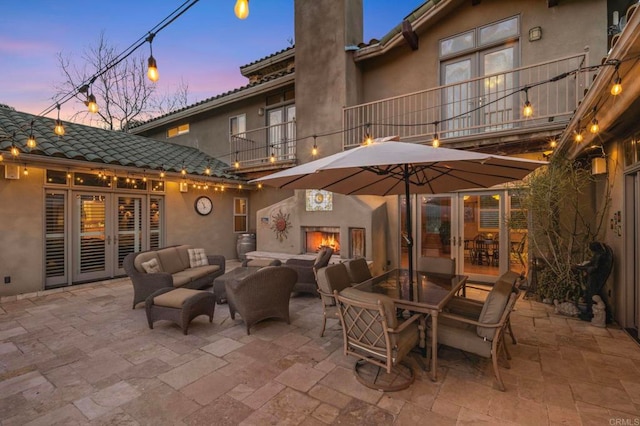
374,335
331,278
483,336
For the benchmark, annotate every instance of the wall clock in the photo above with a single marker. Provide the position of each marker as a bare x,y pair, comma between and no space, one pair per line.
203,205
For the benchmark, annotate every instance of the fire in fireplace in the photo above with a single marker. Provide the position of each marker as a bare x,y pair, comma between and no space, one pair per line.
317,237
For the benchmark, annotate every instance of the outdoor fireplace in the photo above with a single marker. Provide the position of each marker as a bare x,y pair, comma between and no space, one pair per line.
316,237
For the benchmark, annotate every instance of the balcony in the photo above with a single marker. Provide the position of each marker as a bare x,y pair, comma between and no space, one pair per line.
264,148
477,109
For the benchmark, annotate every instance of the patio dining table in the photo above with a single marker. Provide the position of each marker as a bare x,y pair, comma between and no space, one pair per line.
431,292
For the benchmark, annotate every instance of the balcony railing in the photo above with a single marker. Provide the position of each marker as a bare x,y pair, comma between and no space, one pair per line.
264,146
485,105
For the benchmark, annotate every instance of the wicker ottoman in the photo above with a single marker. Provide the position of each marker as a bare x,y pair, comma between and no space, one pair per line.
179,305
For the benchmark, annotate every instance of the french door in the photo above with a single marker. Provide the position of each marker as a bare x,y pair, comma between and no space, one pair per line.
476,93
282,132
88,234
473,229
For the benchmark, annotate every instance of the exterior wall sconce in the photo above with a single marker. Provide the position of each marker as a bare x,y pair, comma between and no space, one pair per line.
260,112
535,33
598,166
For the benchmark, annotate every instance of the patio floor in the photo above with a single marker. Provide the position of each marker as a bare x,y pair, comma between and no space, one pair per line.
83,356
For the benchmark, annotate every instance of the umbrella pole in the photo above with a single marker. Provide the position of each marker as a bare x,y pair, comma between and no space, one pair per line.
409,229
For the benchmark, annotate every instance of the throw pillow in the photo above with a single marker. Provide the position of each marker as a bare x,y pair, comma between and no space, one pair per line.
151,266
197,257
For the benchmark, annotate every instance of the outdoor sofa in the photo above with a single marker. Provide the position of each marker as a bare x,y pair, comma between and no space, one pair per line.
171,267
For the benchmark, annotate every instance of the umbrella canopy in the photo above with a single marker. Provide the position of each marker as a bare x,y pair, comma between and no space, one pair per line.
383,168
395,168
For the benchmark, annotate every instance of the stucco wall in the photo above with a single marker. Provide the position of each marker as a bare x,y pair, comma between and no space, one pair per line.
564,30
213,232
21,233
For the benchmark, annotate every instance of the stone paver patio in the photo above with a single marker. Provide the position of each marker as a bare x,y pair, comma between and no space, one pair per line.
83,356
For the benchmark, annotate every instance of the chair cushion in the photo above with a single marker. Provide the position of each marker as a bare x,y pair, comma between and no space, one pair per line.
151,266
262,262
494,307
358,270
462,336
324,255
145,257
333,277
197,257
170,260
373,298
175,298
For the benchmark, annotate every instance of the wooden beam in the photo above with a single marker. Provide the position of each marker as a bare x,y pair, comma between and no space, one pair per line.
409,35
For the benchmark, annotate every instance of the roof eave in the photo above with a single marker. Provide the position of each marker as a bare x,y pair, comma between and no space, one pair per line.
247,70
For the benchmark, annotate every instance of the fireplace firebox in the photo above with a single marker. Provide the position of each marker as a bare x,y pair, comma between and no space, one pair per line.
316,237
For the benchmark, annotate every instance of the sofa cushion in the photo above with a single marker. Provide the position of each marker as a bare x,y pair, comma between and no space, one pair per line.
198,271
170,260
183,252
151,266
494,307
175,298
197,257
181,278
145,257
366,297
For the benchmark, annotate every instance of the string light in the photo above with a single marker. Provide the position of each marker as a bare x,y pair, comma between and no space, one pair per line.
436,141
553,143
578,136
314,150
59,128
92,105
272,159
594,127
25,171
183,171
260,186
14,150
31,141
236,163
616,89
368,140
152,70
527,111
207,171
162,173
241,9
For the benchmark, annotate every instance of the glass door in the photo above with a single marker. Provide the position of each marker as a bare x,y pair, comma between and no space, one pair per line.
496,64
282,135
93,258
56,241
129,233
459,98
435,226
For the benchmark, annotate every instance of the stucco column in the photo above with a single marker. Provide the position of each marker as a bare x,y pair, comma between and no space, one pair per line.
326,77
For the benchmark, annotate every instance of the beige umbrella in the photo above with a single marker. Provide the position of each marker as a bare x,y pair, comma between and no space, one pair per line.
395,168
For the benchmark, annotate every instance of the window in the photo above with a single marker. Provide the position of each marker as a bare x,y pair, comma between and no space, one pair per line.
238,125
56,177
240,215
489,212
177,131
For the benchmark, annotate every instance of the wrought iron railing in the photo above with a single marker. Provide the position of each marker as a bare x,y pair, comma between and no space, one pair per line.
264,146
475,107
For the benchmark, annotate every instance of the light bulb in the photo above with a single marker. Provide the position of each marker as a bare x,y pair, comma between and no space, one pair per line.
183,172
236,164
595,127
25,171
436,141
553,143
68,175
152,71
1,157
314,151
31,142
92,105
241,9
578,137
616,89
528,109
207,171
15,151
259,186
272,159
162,174
59,129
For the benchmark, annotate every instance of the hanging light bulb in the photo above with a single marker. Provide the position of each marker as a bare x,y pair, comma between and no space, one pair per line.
578,136
553,143
183,171
91,103
1,157
239,186
527,111
68,174
272,159
31,141
616,89
260,186
594,127
152,70
368,140
207,171
25,172
436,140
59,128
236,163
241,9
162,173
314,150
14,151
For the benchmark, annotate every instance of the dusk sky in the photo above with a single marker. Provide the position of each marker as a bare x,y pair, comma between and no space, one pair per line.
204,47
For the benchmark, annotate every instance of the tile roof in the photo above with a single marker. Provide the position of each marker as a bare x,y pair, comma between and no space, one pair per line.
267,57
86,143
